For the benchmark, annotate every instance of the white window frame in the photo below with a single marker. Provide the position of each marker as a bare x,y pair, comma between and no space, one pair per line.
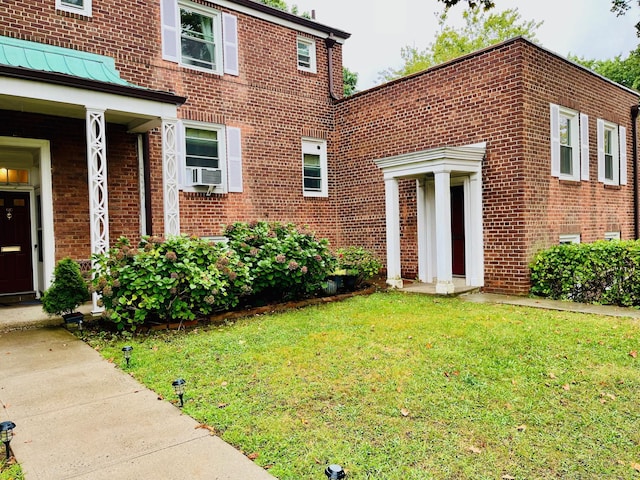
618,153
84,10
312,68
216,22
316,146
567,238
612,236
579,143
222,156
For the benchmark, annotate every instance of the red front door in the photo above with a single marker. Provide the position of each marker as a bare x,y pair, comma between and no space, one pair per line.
16,273
457,230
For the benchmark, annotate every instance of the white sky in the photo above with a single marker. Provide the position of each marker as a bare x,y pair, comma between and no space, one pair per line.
380,28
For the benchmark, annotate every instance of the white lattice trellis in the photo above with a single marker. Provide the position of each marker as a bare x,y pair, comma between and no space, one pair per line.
170,177
97,173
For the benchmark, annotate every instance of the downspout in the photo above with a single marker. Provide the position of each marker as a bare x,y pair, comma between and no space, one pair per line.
147,184
634,155
329,43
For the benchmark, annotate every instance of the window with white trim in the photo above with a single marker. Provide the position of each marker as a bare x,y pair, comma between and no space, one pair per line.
612,158
314,168
612,236
569,144
81,7
306,55
210,157
567,238
199,37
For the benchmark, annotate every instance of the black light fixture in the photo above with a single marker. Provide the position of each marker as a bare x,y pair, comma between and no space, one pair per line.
335,472
6,434
178,387
127,353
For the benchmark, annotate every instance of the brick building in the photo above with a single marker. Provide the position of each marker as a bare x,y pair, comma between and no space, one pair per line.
179,116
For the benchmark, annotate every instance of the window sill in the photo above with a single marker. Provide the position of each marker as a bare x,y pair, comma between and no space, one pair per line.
571,183
612,187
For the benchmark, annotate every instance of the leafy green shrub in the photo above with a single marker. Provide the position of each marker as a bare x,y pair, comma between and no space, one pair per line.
68,289
285,262
601,272
359,262
173,279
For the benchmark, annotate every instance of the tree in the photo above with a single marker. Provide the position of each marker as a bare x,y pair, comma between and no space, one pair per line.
625,71
480,30
349,81
619,7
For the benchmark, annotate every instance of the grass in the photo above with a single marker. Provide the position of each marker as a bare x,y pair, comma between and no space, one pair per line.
9,470
396,386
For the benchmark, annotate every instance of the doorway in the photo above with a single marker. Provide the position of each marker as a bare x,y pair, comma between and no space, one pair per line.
457,231
16,258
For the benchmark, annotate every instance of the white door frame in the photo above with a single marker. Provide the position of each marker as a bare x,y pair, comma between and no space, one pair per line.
46,200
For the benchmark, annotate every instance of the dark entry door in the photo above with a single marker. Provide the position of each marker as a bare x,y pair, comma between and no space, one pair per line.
16,274
457,230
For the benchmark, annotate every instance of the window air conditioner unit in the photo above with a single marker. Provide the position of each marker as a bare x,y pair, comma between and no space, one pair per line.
205,176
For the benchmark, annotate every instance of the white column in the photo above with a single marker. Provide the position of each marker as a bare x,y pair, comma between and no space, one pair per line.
98,197
392,203
141,187
170,177
421,197
432,255
475,241
444,284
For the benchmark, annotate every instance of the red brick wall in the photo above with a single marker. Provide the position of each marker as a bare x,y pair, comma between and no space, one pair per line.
499,96
70,179
273,103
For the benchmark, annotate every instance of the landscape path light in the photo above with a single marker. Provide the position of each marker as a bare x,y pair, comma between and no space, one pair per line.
127,353
6,434
178,387
335,472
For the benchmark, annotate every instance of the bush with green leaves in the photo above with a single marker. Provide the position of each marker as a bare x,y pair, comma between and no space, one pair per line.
601,272
174,279
358,261
286,263
68,290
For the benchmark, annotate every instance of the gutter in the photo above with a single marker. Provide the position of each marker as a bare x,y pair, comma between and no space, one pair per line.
634,156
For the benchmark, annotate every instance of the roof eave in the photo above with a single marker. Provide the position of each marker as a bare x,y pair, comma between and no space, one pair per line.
87,84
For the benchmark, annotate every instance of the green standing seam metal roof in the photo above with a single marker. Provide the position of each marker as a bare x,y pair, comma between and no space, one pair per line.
47,58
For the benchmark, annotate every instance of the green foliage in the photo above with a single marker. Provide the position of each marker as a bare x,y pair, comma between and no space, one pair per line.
285,263
349,81
621,7
174,279
68,289
282,5
625,71
9,470
358,261
601,272
480,30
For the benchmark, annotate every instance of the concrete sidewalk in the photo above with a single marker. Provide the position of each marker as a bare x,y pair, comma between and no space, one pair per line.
79,417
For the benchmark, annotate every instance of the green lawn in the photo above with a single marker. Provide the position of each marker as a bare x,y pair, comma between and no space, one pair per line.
397,386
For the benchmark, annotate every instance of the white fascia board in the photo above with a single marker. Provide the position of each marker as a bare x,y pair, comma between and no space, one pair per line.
109,102
454,159
278,21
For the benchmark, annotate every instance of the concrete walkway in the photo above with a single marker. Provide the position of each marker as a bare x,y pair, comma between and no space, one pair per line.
79,417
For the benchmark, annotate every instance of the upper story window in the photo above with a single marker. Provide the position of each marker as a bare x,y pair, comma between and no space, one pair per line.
569,144
306,55
314,168
199,37
81,7
612,157
211,157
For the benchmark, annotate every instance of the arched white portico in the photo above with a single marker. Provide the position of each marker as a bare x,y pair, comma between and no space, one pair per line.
436,171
